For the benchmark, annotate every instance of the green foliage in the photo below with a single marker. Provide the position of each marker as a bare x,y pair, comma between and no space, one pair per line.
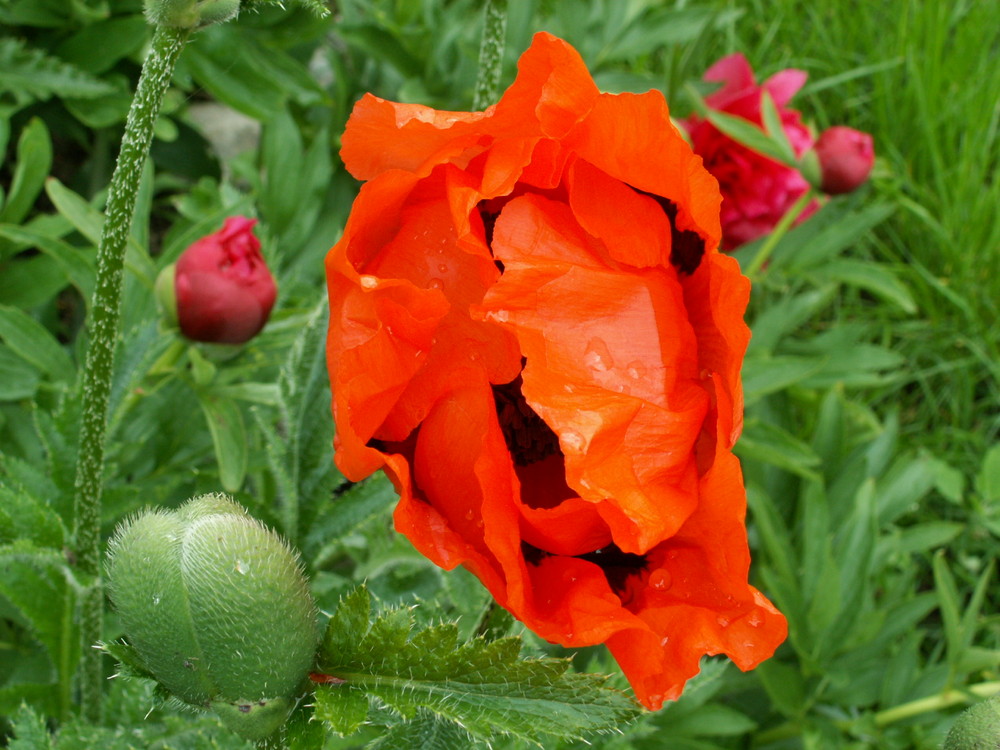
871,381
481,685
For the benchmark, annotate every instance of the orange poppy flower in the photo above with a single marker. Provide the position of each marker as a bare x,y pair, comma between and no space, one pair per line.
534,334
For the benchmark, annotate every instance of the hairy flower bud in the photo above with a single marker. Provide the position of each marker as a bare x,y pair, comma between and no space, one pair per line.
223,290
217,607
978,728
846,157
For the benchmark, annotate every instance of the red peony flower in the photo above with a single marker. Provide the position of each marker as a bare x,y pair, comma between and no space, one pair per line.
534,334
224,292
845,157
756,190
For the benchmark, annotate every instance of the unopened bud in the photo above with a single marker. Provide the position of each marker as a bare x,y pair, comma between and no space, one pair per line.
978,728
217,608
190,14
846,157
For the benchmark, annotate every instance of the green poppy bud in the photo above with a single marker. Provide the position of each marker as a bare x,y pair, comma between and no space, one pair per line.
218,609
978,728
190,14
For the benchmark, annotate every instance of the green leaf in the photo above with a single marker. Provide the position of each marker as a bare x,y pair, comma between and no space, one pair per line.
225,422
426,732
18,379
34,159
37,582
833,229
347,511
379,44
77,265
714,720
29,75
29,731
763,375
482,685
24,517
34,344
748,134
774,128
873,277
771,444
343,707
89,221
988,478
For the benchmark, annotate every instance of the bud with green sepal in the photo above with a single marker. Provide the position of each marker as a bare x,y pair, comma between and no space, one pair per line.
190,14
217,609
978,728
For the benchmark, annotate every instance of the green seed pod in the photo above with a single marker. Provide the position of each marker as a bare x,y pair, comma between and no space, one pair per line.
217,607
978,728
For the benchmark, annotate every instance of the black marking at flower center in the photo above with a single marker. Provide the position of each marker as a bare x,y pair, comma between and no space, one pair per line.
489,222
686,247
616,565
527,436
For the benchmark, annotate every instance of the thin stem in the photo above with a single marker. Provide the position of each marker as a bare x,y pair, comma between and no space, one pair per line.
780,230
938,702
156,74
491,55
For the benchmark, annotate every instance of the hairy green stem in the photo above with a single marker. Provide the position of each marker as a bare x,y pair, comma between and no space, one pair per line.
779,231
491,55
153,82
938,702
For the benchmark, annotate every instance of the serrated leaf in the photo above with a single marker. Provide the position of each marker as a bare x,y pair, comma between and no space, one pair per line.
426,732
27,519
29,74
482,685
343,707
348,510
30,732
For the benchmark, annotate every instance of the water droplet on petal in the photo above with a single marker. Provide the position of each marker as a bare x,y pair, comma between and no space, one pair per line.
568,388
664,640
635,370
660,579
443,268
597,356
369,282
501,316
435,283
755,620
469,515
723,621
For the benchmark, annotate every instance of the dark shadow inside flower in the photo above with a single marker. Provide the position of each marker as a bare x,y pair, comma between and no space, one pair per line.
686,247
618,567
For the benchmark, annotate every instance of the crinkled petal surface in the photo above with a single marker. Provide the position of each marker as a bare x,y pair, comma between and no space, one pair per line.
534,334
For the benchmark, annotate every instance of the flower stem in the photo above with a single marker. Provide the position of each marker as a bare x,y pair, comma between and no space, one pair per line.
153,82
938,702
779,231
491,55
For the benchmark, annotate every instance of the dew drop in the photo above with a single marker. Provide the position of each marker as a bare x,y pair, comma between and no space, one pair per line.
723,621
755,620
635,370
242,567
501,316
156,599
568,388
435,283
369,282
597,356
442,268
664,640
469,515
660,579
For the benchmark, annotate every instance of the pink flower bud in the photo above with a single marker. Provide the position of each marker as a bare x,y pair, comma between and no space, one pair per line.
223,287
845,158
